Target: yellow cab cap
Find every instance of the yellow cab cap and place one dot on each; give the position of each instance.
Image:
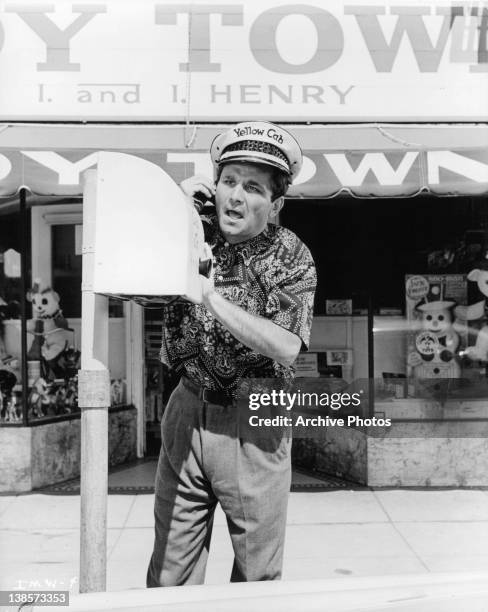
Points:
(259, 142)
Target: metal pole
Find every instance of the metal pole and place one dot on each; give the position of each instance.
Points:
(94, 400)
(370, 356)
(23, 309)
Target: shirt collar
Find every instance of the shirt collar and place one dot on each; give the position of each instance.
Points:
(257, 243)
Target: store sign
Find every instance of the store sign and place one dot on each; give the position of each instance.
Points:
(306, 365)
(324, 174)
(149, 60)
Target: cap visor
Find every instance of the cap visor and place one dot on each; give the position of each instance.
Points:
(254, 157)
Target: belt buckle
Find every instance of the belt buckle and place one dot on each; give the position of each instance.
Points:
(211, 396)
(204, 395)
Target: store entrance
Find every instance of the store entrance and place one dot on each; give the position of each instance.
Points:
(159, 381)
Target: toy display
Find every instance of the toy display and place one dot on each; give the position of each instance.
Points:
(39, 402)
(52, 398)
(436, 344)
(54, 382)
(436, 337)
(49, 327)
(69, 362)
(9, 408)
(52, 367)
(9, 375)
(117, 391)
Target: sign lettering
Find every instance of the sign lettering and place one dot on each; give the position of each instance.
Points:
(365, 173)
(204, 61)
(57, 41)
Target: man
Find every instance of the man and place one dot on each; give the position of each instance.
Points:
(254, 318)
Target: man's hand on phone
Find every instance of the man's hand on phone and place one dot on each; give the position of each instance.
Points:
(198, 184)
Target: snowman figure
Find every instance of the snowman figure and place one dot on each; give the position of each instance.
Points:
(437, 341)
(49, 328)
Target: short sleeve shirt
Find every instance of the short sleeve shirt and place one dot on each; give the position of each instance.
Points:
(271, 275)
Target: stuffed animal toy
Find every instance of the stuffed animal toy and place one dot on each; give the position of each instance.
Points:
(8, 379)
(117, 387)
(60, 400)
(43, 399)
(475, 314)
(49, 327)
(38, 398)
(71, 399)
(436, 343)
(70, 362)
(13, 409)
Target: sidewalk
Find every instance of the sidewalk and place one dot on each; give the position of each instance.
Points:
(330, 534)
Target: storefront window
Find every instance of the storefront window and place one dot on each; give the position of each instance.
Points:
(420, 263)
(431, 346)
(10, 307)
(54, 355)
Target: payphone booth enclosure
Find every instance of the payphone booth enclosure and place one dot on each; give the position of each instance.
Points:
(147, 236)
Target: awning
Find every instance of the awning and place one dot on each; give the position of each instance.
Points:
(362, 160)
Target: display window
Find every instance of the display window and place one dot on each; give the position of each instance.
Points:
(39, 383)
(415, 269)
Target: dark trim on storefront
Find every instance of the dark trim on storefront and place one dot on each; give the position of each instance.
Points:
(23, 305)
(371, 398)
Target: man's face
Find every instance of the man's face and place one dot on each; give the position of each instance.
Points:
(243, 200)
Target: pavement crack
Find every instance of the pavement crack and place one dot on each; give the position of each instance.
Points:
(402, 537)
(121, 529)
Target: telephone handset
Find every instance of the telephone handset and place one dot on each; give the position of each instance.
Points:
(200, 200)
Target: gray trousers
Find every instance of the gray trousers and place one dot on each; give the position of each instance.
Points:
(203, 461)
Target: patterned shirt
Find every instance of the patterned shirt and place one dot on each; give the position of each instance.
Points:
(271, 275)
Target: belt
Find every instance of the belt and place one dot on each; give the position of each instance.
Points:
(210, 396)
